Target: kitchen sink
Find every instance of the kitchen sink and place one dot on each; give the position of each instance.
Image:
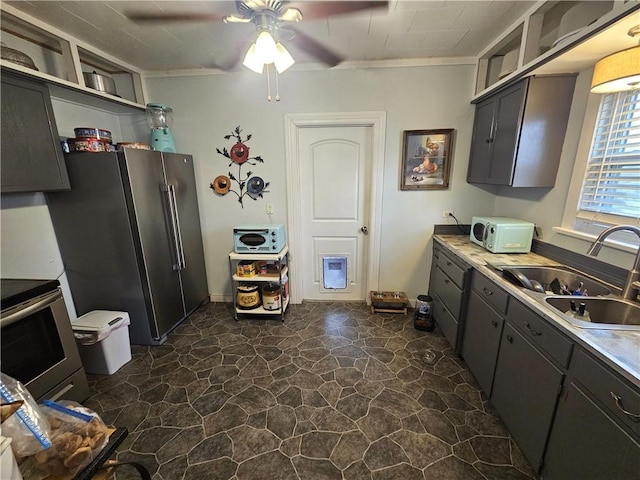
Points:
(555, 279)
(604, 313)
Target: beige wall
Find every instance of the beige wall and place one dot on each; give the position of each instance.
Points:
(209, 107)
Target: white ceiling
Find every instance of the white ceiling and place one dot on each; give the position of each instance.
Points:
(404, 30)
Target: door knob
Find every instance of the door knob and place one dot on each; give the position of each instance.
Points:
(364, 230)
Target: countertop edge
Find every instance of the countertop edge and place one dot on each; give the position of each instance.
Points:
(593, 340)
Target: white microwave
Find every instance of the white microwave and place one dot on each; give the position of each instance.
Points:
(502, 234)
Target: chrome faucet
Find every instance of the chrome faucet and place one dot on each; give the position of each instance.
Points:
(632, 284)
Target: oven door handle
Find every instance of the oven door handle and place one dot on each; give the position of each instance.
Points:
(25, 312)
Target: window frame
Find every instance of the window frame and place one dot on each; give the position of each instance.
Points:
(584, 225)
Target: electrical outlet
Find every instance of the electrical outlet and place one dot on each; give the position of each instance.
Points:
(447, 213)
(269, 208)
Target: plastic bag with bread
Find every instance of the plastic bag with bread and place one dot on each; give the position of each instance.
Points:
(77, 436)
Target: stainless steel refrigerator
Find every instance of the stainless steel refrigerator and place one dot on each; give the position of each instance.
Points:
(130, 238)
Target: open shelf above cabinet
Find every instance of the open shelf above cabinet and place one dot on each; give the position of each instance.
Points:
(60, 61)
(555, 37)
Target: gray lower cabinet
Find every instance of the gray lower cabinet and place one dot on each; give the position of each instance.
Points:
(32, 159)
(448, 287)
(525, 393)
(592, 436)
(483, 329)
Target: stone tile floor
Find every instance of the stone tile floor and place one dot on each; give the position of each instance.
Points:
(334, 392)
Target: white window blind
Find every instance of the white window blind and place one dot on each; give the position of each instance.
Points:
(611, 185)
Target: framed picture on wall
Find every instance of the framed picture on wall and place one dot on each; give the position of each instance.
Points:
(426, 159)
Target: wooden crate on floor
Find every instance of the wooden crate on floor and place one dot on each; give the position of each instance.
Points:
(388, 302)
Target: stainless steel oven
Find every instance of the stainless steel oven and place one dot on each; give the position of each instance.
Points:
(38, 346)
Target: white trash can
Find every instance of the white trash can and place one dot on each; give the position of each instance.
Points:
(8, 466)
(103, 340)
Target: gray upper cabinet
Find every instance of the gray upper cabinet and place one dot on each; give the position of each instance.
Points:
(519, 131)
(32, 159)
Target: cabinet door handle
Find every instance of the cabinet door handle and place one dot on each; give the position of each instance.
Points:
(487, 291)
(509, 339)
(618, 399)
(494, 323)
(532, 330)
(488, 140)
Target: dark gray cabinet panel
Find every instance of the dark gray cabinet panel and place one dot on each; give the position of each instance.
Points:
(586, 442)
(525, 393)
(618, 397)
(519, 131)
(32, 159)
(482, 331)
(540, 332)
(449, 292)
(448, 287)
(507, 122)
(481, 146)
(448, 323)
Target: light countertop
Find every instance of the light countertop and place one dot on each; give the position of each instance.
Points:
(620, 349)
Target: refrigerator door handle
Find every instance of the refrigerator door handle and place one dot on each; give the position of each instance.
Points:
(182, 264)
(174, 227)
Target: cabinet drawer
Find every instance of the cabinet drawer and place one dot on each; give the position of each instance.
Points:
(490, 292)
(454, 271)
(540, 332)
(603, 384)
(447, 323)
(448, 292)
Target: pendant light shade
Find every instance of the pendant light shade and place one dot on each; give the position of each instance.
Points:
(266, 47)
(252, 61)
(617, 72)
(283, 58)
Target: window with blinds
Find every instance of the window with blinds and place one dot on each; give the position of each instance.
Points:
(611, 188)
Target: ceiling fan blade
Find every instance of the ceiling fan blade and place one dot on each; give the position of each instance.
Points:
(314, 48)
(145, 17)
(237, 50)
(316, 10)
(290, 15)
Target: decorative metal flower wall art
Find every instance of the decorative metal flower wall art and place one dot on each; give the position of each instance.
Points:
(239, 155)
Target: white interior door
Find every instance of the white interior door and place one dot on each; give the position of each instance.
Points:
(334, 201)
(334, 188)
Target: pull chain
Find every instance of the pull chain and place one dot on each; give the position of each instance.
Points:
(277, 86)
(268, 84)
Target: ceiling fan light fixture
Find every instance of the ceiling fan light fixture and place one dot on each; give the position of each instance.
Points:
(283, 58)
(252, 60)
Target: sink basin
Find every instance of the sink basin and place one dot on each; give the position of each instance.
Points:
(604, 313)
(566, 277)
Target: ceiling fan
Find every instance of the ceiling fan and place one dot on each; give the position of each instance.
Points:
(273, 21)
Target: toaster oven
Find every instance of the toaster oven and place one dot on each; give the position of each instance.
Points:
(266, 238)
